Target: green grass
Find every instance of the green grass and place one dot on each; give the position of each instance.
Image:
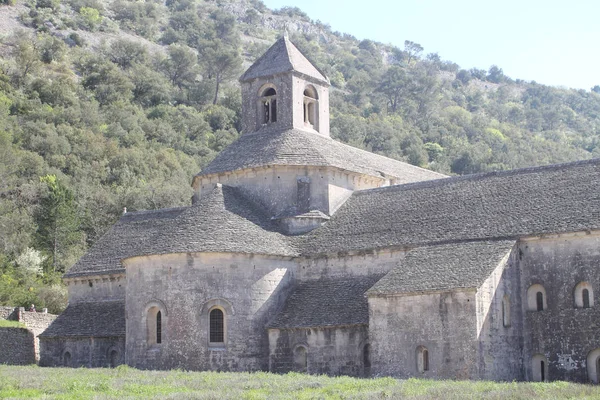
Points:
(127, 383)
(4, 323)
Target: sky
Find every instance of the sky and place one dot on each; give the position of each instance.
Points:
(554, 42)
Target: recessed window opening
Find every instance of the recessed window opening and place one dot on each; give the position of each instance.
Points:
(586, 298)
(301, 359)
(268, 106)
(114, 358)
(539, 300)
(422, 359)
(310, 106)
(217, 326)
(154, 325)
(367, 359)
(158, 327)
(536, 298)
(539, 364)
(506, 311)
(67, 359)
(584, 295)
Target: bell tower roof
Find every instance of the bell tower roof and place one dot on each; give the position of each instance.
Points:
(282, 57)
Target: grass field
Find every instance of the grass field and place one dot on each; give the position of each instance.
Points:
(128, 383)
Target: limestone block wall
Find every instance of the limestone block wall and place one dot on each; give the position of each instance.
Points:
(563, 333)
(75, 352)
(331, 351)
(252, 114)
(96, 288)
(375, 262)
(248, 289)
(36, 323)
(444, 323)
(17, 346)
(275, 188)
(500, 323)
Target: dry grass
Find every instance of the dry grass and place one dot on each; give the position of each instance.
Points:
(128, 383)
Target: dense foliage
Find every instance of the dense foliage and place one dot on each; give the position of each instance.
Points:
(112, 104)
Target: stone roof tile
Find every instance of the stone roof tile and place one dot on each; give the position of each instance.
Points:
(444, 267)
(222, 221)
(297, 147)
(326, 302)
(281, 57)
(98, 319)
(498, 205)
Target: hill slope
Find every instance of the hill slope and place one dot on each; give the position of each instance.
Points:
(112, 104)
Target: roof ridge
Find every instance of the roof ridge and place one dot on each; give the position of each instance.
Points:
(478, 176)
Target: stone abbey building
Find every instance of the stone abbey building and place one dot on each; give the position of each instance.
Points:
(300, 253)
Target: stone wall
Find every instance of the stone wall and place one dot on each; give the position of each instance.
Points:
(98, 288)
(444, 323)
(185, 287)
(331, 351)
(36, 323)
(82, 352)
(500, 323)
(17, 346)
(563, 333)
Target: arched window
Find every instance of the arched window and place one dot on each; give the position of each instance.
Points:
(67, 359)
(536, 298)
(422, 359)
(301, 359)
(583, 295)
(155, 323)
(217, 326)
(267, 106)
(593, 365)
(506, 311)
(367, 360)
(539, 368)
(311, 104)
(114, 358)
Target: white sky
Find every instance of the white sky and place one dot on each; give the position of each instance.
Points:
(552, 42)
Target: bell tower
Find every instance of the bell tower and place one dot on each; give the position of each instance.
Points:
(283, 90)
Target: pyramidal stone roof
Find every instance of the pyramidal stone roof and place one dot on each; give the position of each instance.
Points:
(222, 221)
(295, 147)
(282, 57)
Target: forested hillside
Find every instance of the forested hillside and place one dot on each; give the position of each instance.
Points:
(110, 104)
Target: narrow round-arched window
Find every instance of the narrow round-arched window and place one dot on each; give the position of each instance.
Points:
(155, 324)
(422, 359)
(583, 295)
(114, 358)
(536, 298)
(267, 106)
(217, 326)
(367, 359)
(67, 359)
(593, 365)
(301, 359)
(506, 311)
(539, 368)
(311, 107)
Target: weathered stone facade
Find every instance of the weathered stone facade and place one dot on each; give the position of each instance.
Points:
(20, 346)
(300, 253)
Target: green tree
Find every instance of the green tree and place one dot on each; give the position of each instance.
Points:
(412, 50)
(58, 234)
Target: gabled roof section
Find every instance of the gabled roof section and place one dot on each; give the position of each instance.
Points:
(300, 148)
(98, 319)
(326, 302)
(282, 57)
(222, 221)
(444, 267)
(553, 199)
